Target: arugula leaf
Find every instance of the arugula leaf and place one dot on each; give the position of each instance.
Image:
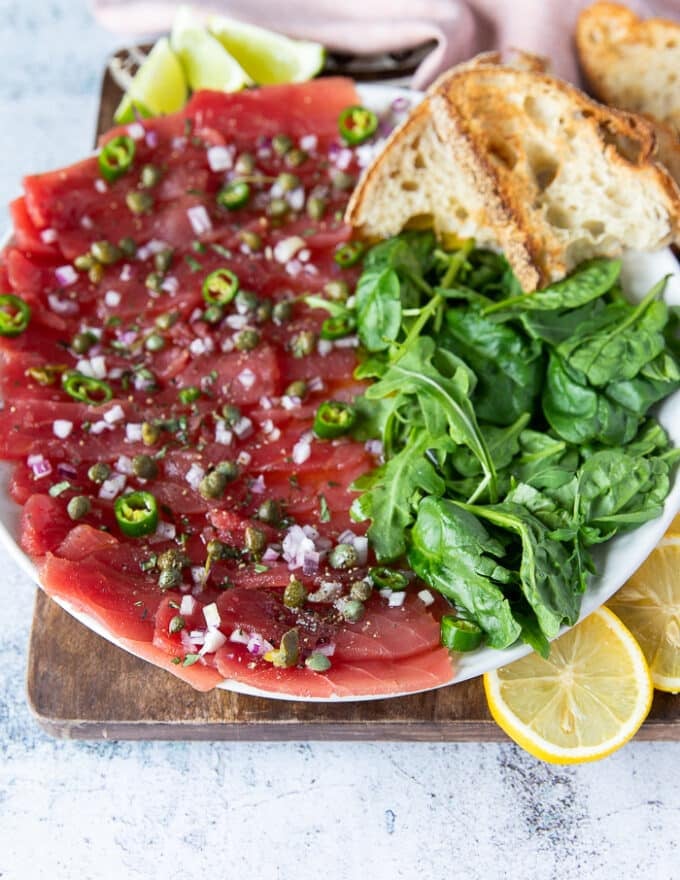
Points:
(589, 281)
(443, 398)
(390, 494)
(502, 443)
(455, 555)
(378, 304)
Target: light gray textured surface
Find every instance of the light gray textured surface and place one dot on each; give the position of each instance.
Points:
(336, 811)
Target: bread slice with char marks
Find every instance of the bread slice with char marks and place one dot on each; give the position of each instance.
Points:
(527, 163)
(634, 64)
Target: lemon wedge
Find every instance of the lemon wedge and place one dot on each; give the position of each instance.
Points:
(158, 86)
(649, 605)
(206, 63)
(269, 58)
(584, 702)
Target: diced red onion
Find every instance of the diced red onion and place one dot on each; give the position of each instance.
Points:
(136, 131)
(400, 104)
(112, 487)
(396, 600)
(302, 451)
(64, 469)
(133, 432)
(239, 636)
(328, 591)
(296, 198)
(86, 222)
(115, 414)
(290, 401)
(244, 426)
(327, 650)
(220, 158)
(311, 562)
(199, 575)
(285, 249)
(62, 428)
(258, 645)
(426, 597)
(194, 476)
(178, 143)
(214, 639)
(212, 615)
(324, 347)
(344, 159)
(199, 219)
(304, 255)
(316, 384)
(112, 298)
(39, 465)
(48, 236)
(374, 447)
(124, 465)
(275, 434)
(98, 363)
(99, 427)
(201, 346)
(236, 322)
(271, 554)
(165, 531)
(347, 342)
(308, 142)
(61, 306)
(361, 549)
(222, 434)
(170, 285)
(151, 139)
(298, 547)
(197, 636)
(258, 485)
(187, 606)
(244, 458)
(100, 185)
(293, 268)
(126, 272)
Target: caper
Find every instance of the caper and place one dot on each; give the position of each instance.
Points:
(297, 389)
(212, 485)
(295, 157)
(231, 414)
(83, 342)
(213, 314)
(287, 182)
(288, 652)
(150, 433)
(295, 595)
(84, 262)
(150, 176)
(216, 549)
(318, 662)
(277, 208)
(173, 558)
(228, 469)
(167, 320)
(342, 180)
(139, 202)
(270, 512)
(338, 291)
(99, 472)
(282, 311)
(169, 578)
(264, 311)
(247, 339)
(163, 259)
(145, 467)
(105, 252)
(342, 556)
(96, 273)
(154, 342)
(251, 239)
(255, 541)
(303, 343)
(128, 246)
(245, 164)
(78, 507)
(177, 624)
(352, 610)
(360, 590)
(281, 143)
(246, 301)
(316, 207)
(154, 281)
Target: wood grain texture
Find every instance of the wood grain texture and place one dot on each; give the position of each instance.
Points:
(82, 687)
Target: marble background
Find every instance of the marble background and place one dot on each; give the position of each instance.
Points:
(308, 810)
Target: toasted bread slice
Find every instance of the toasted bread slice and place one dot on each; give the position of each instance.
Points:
(634, 64)
(525, 162)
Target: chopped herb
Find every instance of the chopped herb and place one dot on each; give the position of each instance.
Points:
(190, 659)
(56, 490)
(193, 264)
(260, 568)
(324, 512)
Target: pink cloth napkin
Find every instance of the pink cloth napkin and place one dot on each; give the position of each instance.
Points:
(461, 28)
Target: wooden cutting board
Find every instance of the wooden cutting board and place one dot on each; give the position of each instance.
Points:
(80, 686)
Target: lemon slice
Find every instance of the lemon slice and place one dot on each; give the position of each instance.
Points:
(268, 57)
(206, 63)
(158, 86)
(584, 702)
(649, 605)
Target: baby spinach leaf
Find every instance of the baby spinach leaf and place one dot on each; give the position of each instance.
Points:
(509, 366)
(556, 325)
(390, 494)
(502, 443)
(620, 351)
(547, 572)
(588, 282)
(454, 554)
(656, 380)
(378, 304)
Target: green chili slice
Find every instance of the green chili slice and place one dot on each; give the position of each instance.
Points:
(357, 124)
(234, 195)
(459, 635)
(387, 578)
(86, 389)
(116, 157)
(136, 514)
(333, 419)
(220, 287)
(14, 315)
(337, 327)
(349, 254)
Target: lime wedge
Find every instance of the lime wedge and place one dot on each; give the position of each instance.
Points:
(206, 63)
(157, 87)
(269, 58)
